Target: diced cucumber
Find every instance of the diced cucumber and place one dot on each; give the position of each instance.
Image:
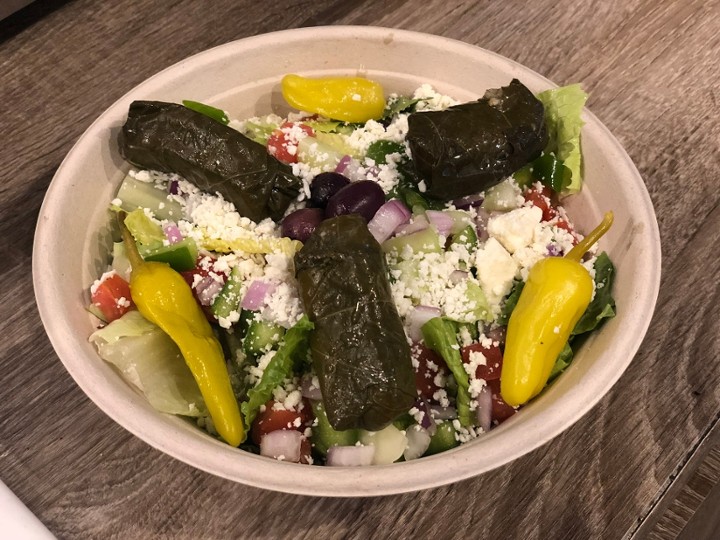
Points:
(318, 154)
(323, 434)
(181, 256)
(461, 220)
(524, 177)
(444, 439)
(466, 237)
(425, 241)
(482, 308)
(228, 300)
(136, 194)
(403, 421)
(338, 143)
(261, 337)
(502, 197)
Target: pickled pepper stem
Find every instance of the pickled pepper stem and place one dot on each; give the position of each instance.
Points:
(131, 249)
(581, 248)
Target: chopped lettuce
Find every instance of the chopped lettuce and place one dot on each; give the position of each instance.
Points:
(603, 305)
(145, 231)
(510, 303)
(148, 359)
(280, 367)
(563, 107)
(440, 336)
(398, 105)
(259, 129)
(563, 361)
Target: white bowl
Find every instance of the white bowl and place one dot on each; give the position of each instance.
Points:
(72, 244)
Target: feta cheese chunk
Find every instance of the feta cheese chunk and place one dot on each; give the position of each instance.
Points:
(515, 229)
(496, 270)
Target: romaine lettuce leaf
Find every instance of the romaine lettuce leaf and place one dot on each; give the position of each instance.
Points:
(439, 335)
(280, 367)
(562, 117)
(148, 359)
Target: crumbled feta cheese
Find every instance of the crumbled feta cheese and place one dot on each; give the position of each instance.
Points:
(496, 271)
(515, 229)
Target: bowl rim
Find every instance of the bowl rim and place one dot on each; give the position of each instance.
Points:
(458, 464)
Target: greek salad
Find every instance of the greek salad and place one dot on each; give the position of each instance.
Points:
(338, 286)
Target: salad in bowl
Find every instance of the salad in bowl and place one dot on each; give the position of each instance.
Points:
(341, 302)
(372, 278)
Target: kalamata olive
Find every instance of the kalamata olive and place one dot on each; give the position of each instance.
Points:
(300, 224)
(364, 198)
(324, 186)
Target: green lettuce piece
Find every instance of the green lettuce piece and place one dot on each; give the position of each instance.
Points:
(291, 351)
(399, 104)
(510, 303)
(562, 117)
(145, 231)
(148, 359)
(562, 362)
(440, 336)
(603, 305)
(261, 130)
(212, 112)
(323, 126)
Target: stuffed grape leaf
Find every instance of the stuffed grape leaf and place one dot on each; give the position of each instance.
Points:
(216, 158)
(359, 349)
(468, 148)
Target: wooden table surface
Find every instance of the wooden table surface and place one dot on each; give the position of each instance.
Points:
(652, 68)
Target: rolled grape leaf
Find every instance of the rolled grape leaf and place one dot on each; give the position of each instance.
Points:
(468, 148)
(358, 347)
(171, 138)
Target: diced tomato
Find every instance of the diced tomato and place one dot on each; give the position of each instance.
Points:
(430, 365)
(282, 143)
(112, 297)
(203, 267)
(501, 411)
(543, 200)
(273, 419)
(493, 356)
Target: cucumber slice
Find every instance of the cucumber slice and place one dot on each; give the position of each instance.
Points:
(425, 241)
(181, 256)
(228, 300)
(261, 337)
(136, 194)
(324, 436)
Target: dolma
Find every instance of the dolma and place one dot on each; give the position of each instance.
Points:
(359, 349)
(468, 148)
(168, 137)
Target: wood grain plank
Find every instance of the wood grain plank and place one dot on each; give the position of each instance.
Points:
(652, 70)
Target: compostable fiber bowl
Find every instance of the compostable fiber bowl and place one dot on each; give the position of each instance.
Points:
(73, 239)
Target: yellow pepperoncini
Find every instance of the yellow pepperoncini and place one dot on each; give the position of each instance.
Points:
(164, 298)
(350, 99)
(556, 294)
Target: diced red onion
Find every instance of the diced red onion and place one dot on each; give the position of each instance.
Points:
(443, 413)
(282, 444)
(417, 317)
(419, 223)
(173, 187)
(554, 251)
(372, 172)
(418, 440)
(427, 422)
(389, 217)
(257, 294)
(484, 408)
(343, 164)
(350, 456)
(207, 290)
(456, 276)
(497, 334)
(468, 201)
(172, 233)
(308, 389)
(443, 221)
